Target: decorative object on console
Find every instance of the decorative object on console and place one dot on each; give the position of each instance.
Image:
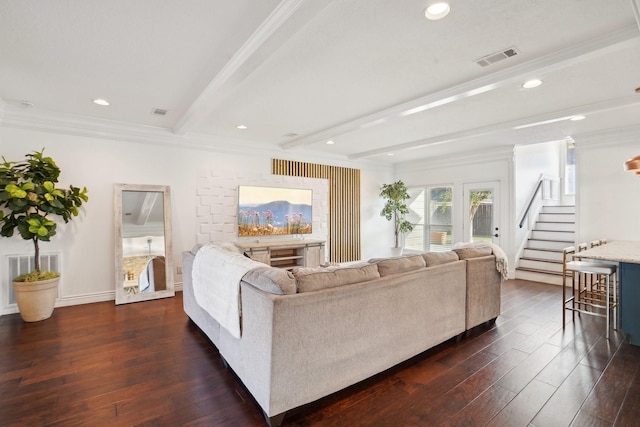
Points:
(274, 211)
(633, 165)
(28, 200)
(395, 208)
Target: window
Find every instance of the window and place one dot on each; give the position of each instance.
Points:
(570, 170)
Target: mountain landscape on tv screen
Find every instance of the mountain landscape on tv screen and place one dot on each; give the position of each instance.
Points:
(277, 217)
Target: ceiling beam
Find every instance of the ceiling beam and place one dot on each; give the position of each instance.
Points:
(205, 103)
(554, 61)
(150, 199)
(591, 109)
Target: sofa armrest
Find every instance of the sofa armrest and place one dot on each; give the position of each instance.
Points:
(484, 284)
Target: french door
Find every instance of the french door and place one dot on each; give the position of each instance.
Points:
(481, 214)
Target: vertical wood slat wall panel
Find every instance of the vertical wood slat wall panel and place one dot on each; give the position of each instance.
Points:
(344, 204)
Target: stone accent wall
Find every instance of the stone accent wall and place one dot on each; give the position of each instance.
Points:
(217, 205)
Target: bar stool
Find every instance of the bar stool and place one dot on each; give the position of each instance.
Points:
(594, 287)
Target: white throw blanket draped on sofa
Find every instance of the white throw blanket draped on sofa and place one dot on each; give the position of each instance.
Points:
(216, 284)
(502, 265)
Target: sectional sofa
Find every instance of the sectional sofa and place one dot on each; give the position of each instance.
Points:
(308, 333)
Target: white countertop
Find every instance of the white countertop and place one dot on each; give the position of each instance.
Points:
(617, 250)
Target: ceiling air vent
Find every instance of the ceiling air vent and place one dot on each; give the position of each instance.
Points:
(159, 112)
(496, 57)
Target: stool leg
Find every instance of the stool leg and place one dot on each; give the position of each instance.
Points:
(564, 299)
(607, 305)
(616, 319)
(573, 292)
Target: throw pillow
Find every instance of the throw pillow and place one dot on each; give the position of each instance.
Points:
(274, 280)
(473, 252)
(437, 258)
(387, 266)
(313, 279)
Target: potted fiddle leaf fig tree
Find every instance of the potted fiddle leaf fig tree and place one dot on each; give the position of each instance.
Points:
(29, 200)
(395, 208)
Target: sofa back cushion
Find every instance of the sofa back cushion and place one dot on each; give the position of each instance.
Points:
(313, 279)
(270, 279)
(437, 258)
(465, 253)
(387, 266)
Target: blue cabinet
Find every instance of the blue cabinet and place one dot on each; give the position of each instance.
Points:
(630, 301)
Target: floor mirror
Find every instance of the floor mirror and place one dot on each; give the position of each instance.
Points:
(143, 251)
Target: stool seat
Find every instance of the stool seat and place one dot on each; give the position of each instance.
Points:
(591, 267)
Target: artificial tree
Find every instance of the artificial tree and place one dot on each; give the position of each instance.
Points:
(395, 207)
(28, 201)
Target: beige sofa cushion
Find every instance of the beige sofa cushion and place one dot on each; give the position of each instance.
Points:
(387, 266)
(437, 258)
(274, 280)
(313, 279)
(473, 252)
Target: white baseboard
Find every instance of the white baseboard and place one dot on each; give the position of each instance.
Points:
(78, 300)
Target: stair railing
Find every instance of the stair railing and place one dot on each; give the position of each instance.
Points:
(545, 183)
(535, 193)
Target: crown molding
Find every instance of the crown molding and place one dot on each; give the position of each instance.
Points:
(66, 124)
(554, 61)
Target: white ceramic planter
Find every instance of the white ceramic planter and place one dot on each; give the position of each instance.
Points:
(396, 252)
(36, 300)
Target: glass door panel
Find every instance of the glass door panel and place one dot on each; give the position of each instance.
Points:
(440, 224)
(481, 219)
(431, 213)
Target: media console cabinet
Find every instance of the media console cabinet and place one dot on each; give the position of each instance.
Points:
(286, 253)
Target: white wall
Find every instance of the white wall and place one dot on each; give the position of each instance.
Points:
(608, 197)
(86, 243)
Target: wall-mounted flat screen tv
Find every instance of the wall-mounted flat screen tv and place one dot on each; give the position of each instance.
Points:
(274, 211)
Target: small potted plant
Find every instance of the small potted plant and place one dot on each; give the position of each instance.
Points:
(28, 201)
(395, 209)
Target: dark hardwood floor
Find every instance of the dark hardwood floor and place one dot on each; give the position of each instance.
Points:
(146, 364)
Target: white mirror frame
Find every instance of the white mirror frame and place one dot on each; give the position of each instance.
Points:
(123, 297)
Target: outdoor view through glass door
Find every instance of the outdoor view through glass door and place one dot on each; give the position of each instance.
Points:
(481, 220)
(430, 212)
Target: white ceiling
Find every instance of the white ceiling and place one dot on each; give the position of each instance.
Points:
(374, 76)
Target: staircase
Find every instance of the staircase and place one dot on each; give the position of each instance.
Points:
(541, 259)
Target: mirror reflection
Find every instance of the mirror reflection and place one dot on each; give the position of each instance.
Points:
(143, 231)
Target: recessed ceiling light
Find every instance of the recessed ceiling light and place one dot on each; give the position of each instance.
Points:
(102, 102)
(530, 84)
(330, 142)
(437, 11)
(577, 118)
(390, 154)
(241, 127)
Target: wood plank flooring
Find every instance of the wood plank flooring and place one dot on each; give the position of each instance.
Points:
(146, 364)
